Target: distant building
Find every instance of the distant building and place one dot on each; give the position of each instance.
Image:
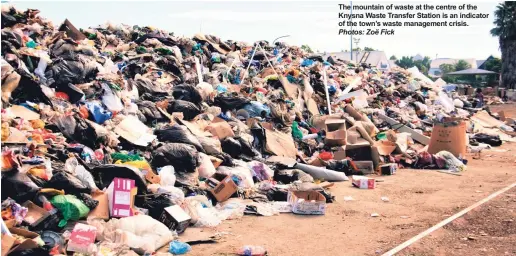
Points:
(435, 70)
(417, 57)
(377, 59)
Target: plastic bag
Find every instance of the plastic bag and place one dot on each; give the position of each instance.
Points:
(452, 163)
(206, 217)
(67, 182)
(177, 248)
(71, 208)
(205, 90)
(260, 170)
(98, 113)
(110, 100)
(189, 109)
(155, 203)
(141, 232)
(149, 111)
(231, 209)
(210, 145)
(73, 167)
(255, 108)
(241, 172)
(187, 93)
(178, 134)
(230, 102)
(105, 174)
(206, 169)
(167, 176)
(182, 156)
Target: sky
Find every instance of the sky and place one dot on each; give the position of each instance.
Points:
(313, 23)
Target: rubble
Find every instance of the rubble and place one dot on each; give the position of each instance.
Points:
(141, 134)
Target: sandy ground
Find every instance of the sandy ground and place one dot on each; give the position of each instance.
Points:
(418, 200)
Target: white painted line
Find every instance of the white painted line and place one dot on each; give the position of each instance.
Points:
(446, 221)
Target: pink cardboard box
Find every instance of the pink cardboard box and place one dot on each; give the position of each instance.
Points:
(363, 182)
(121, 193)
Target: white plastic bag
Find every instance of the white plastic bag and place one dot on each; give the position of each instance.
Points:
(167, 176)
(206, 169)
(73, 167)
(241, 171)
(112, 102)
(207, 217)
(176, 195)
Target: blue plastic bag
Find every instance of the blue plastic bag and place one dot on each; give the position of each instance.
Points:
(177, 248)
(255, 108)
(99, 114)
(307, 62)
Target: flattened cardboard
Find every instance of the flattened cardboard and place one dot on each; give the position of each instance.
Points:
(35, 214)
(102, 209)
(72, 31)
(385, 147)
(222, 186)
(451, 138)
(307, 202)
(280, 144)
(290, 89)
(28, 243)
(486, 120)
(415, 135)
(336, 134)
(175, 218)
(220, 130)
(23, 112)
(7, 243)
(134, 131)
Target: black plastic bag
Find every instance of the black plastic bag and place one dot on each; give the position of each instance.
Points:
(182, 156)
(105, 174)
(492, 140)
(230, 102)
(149, 111)
(231, 146)
(88, 200)
(154, 203)
(144, 85)
(247, 148)
(179, 134)
(18, 186)
(67, 182)
(72, 71)
(77, 129)
(187, 92)
(189, 110)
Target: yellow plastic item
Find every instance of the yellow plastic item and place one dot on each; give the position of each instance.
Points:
(39, 172)
(140, 164)
(52, 191)
(37, 124)
(5, 131)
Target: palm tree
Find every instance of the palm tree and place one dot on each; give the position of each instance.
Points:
(505, 29)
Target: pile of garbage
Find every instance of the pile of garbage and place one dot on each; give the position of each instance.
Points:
(117, 139)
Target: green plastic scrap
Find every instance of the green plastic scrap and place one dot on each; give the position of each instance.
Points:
(125, 157)
(71, 208)
(296, 132)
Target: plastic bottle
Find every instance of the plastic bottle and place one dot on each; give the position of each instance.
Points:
(251, 250)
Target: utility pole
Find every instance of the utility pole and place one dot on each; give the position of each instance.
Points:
(357, 40)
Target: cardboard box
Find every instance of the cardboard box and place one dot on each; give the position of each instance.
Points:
(28, 243)
(222, 186)
(388, 169)
(280, 144)
(366, 167)
(35, 214)
(307, 202)
(175, 218)
(102, 209)
(82, 238)
(336, 134)
(121, 193)
(363, 182)
(220, 129)
(451, 138)
(7, 243)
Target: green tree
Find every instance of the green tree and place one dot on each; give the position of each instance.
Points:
(447, 68)
(393, 58)
(505, 30)
(369, 49)
(462, 65)
(358, 49)
(493, 64)
(307, 48)
(405, 62)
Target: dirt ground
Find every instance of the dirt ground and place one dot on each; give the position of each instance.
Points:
(418, 199)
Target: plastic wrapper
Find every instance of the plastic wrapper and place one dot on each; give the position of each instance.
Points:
(241, 172)
(260, 170)
(229, 102)
(73, 167)
(178, 248)
(167, 176)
